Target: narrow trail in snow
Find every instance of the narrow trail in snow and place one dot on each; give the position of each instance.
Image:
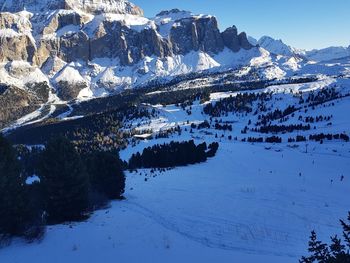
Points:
(218, 241)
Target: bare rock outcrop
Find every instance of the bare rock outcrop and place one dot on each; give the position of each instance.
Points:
(193, 34)
(16, 42)
(15, 103)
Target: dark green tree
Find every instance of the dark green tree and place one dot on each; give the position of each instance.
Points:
(65, 181)
(336, 252)
(13, 211)
(346, 231)
(106, 174)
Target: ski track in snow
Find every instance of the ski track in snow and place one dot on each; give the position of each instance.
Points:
(217, 228)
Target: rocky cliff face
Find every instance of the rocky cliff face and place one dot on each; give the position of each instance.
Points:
(196, 33)
(16, 102)
(84, 34)
(89, 29)
(16, 42)
(235, 41)
(87, 6)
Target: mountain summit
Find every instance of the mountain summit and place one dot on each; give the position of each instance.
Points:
(54, 51)
(88, 6)
(274, 46)
(62, 50)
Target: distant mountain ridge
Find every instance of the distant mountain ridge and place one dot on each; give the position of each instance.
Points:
(275, 46)
(88, 6)
(55, 52)
(329, 53)
(278, 47)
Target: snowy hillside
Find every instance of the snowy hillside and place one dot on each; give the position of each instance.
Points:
(247, 141)
(276, 47)
(327, 54)
(253, 202)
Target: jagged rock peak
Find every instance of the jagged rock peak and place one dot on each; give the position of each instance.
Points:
(277, 47)
(88, 6)
(105, 6)
(235, 41)
(172, 11)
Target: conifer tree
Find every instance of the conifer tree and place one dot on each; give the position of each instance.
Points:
(346, 231)
(106, 174)
(336, 252)
(336, 247)
(319, 251)
(12, 192)
(65, 181)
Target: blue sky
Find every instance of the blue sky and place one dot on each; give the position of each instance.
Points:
(301, 23)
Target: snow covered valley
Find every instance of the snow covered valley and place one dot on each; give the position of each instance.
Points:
(252, 202)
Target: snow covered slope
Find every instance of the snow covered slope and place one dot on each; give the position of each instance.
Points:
(89, 6)
(253, 202)
(276, 47)
(252, 40)
(328, 54)
(225, 210)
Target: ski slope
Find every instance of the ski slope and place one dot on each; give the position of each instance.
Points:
(250, 203)
(247, 204)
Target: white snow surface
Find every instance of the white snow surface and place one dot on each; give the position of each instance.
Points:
(32, 179)
(327, 54)
(252, 40)
(88, 6)
(70, 75)
(166, 20)
(250, 203)
(275, 46)
(272, 60)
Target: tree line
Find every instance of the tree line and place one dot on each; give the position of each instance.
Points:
(272, 139)
(69, 186)
(242, 102)
(172, 154)
(321, 96)
(320, 118)
(282, 128)
(277, 114)
(321, 137)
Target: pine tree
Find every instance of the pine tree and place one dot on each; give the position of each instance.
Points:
(65, 181)
(12, 200)
(346, 232)
(12, 192)
(106, 174)
(336, 252)
(319, 251)
(21, 213)
(337, 249)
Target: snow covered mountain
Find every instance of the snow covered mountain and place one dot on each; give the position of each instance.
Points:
(252, 40)
(83, 49)
(253, 202)
(53, 52)
(276, 47)
(327, 54)
(87, 6)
